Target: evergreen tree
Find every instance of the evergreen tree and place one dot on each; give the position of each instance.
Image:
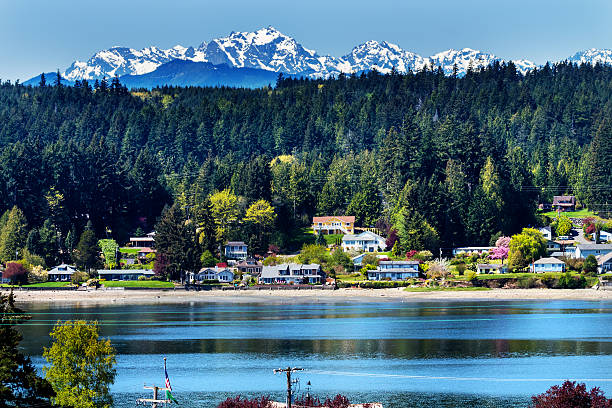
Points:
(175, 239)
(86, 253)
(13, 236)
(43, 81)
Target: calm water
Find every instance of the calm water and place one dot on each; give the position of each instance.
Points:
(451, 354)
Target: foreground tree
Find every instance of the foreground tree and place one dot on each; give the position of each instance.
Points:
(20, 386)
(526, 247)
(81, 365)
(571, 395)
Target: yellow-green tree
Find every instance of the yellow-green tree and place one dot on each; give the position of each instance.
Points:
(526, 247)
(563, 225)
(224, 208)
(81, 365)
(13, 235)
(260, 216)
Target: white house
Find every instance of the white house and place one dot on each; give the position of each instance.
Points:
(223, 275)
(291, 274)
(395, 270)
(236, 250)
(61, 273)
(584, 250)
(147, 241)
(491, 268)
(472, 250)
(605, 236)
(604, 263)
(548, 265)
(547, 232)
(365, 242)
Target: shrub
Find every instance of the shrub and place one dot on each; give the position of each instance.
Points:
(567, 281)
(438, 270)
(470, 276)
(571, 395)
(460, 268)
(238, 402)
(589, 265)
(16, 272)
(37, 274)
(527, 283)
(142, 278)
(79, 277)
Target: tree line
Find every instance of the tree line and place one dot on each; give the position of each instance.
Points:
(434, 160)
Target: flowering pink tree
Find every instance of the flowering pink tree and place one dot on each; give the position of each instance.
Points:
(502, 246)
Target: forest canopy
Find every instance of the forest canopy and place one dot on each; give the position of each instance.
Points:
(463, 159)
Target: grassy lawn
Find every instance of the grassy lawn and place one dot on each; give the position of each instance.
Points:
(332, 238)
(41, 285)
(304, 236)
(137, 284)
(584, 213)
(132, 251)
(439, 289)
(349, 278)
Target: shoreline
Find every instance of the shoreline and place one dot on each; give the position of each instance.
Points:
(110, 297)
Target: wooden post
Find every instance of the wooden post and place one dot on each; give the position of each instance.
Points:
(288, 371)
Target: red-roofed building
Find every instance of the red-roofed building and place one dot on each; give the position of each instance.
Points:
(337, 224)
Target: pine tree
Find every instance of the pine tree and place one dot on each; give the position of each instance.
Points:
(58, 79)
(175, 239)
(43, 81)
(86, 253)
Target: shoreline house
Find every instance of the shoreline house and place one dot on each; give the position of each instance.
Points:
(293, 274)
(584, 250)
(124, 274)
(358, 260)
(395, 270)
(491, 268)
(223, 275)
(364, 242)
(605, 236)
(472, 250)
(604, 263)
(61, 273)
(543, 265)
(337, 224)
(250, 266)
(236, 250)
(564, 203)
(148, 241)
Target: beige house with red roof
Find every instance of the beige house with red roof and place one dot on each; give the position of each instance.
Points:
(336, 224)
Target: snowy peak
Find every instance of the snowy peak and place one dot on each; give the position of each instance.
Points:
(592, 56)
(271, 50)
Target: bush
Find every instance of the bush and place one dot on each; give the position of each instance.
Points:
(238, 402)
(143, 278)
(567, 281)
(37, 275)
(16, 273)
(78, 277)
(527, 283)
(571, 395)
(470, 276)
(589, 265)
(460, 268)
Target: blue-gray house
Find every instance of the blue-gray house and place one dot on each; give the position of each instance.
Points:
(395, 270)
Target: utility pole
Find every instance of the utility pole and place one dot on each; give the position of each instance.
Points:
(288, 371)
(155, 401)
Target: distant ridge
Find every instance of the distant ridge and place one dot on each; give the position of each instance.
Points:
(270, 50)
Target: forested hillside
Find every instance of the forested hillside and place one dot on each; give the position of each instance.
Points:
(446, 160)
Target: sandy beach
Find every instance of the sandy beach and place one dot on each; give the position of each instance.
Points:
(304, 296)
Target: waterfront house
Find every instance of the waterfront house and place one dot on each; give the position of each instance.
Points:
(61, 273)
(547, 232)
(395, 270)
(337, 224)
(364, 242)
(584, 250)
(548, 265)
(250, 266)
(358, 260)
(124, 274)
(236, 250)
(291, 274)
(148, 241)
(604, 263)
(224, 275)
(143, 252)
(491, 268)
(553, 246)
(605, 236)
(472, 250)
(564, 203)
(3, 279)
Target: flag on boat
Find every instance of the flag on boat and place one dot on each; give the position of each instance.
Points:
(168, 386)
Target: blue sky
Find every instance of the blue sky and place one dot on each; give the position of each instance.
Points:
(43, 35)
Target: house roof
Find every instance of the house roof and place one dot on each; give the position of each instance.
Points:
(362, 235)
(235, 243)
(398, 262)
(564, 200)
(595, 246)
(149, 250)
(548, 261)
(602, 259)
(69, 269)
(125, 271)
(492, 266)
(343, 218)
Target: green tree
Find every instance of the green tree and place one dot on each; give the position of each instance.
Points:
(590, 265)
(260, 216)
(207, 259)
(109, 249)
(224, 211)
(175, 240)
(365, 206)
(81, 365)
(20, 385)
(13, 236)
(414, 232)
(86, 253)
(563, 225)
(526, 247)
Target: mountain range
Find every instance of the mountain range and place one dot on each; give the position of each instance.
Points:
(236, 59)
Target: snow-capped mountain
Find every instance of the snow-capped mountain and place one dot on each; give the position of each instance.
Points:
(270, 50)
(592, 56)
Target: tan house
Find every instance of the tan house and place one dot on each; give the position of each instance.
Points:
(337, 224)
